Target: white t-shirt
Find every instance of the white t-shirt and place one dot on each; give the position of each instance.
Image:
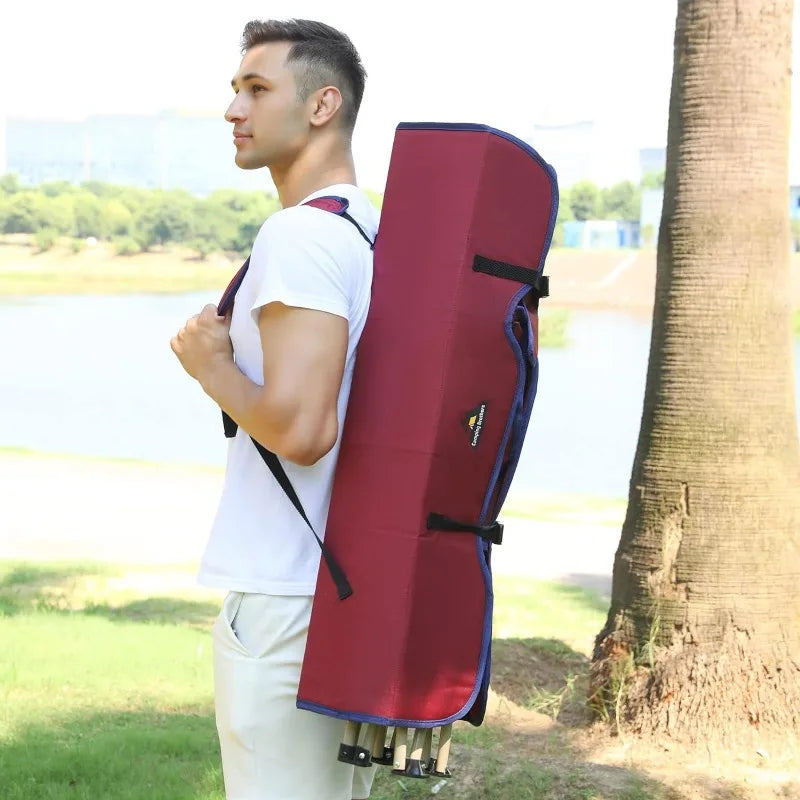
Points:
(308, 258)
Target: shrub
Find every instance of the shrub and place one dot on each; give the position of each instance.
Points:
(203, 247)
(127, 246)
(45, 238)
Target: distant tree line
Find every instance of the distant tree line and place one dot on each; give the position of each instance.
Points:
(134, 219)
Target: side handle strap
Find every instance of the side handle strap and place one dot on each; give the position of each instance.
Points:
(512, 272)
(491, 533)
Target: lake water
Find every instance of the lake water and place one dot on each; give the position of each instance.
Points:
(96, 376)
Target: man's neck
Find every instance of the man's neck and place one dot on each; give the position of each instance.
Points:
(311, 173)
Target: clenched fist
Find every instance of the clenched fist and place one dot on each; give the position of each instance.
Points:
(202, 341)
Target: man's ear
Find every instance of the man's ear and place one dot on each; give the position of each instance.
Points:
(327, 102)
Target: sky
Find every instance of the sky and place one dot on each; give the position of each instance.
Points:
(507, 63)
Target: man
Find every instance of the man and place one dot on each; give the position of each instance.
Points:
(295, 325)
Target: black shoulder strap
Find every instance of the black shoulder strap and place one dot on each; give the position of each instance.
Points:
(343, 587)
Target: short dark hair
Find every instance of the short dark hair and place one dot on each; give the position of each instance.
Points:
(321, 55)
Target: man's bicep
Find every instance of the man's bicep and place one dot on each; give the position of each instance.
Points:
(304, 354)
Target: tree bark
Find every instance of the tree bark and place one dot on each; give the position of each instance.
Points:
(702, 641)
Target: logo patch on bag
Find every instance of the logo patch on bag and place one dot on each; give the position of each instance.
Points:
(473, 423)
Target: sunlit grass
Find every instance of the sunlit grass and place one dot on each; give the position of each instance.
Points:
(553, 327)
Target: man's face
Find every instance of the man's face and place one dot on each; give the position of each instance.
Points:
(270, 125)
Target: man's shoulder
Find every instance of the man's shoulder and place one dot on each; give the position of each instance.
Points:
(311, 230)
(298, 222)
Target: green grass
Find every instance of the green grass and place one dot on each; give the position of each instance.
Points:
(107, 692)
(570, 615)
(553, 325)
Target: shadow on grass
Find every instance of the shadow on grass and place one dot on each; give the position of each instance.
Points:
(151, 755)
(552, 761)
(583, 591)
(27, 587)
(496, 763)
(166, 610)
(26, 574)
(600, 585)
(119, 755)
(543, 675)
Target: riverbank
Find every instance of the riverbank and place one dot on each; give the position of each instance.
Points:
(99, 270)
(621, 280)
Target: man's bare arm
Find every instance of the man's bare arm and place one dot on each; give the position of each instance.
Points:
(294, 414)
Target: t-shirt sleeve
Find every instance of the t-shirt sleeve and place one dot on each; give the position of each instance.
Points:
(301, 257)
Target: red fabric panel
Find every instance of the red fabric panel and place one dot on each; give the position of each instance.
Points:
(408, 644)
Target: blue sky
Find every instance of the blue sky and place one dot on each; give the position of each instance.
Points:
(505, 63)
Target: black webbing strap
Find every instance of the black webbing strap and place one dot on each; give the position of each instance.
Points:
(512, 272)
(364, 236)
(491, 533)
(229, 426)
(343, 587)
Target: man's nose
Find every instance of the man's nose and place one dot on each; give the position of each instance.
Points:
(235, 111)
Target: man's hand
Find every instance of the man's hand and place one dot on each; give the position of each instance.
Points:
(294, 413)
(203, 342)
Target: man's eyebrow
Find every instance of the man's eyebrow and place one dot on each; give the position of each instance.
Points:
(248, 77)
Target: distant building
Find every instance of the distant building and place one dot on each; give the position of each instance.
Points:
(3, 167)
(601, 234)
(159, 151)
(650, 215)
(794, 202)
(652, 159)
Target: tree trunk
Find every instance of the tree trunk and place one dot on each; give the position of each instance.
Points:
(702, 641)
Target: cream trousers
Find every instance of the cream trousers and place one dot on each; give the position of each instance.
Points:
(271, 750)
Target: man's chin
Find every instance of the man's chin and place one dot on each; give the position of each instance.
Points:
(243, 162)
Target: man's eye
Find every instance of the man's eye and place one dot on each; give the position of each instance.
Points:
(257, 89)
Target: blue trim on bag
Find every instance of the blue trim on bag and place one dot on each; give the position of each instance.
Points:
(523, 418)
(352, 716)
(515, 403)
(484, 548)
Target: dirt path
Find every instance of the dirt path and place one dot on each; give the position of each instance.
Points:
(70, 508)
